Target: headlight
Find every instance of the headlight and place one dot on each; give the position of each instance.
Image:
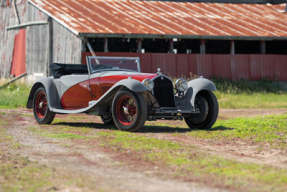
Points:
(181, 85)
(148, 83)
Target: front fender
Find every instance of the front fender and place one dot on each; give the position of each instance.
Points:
(194, 86)
(51, 91)
(131, 84)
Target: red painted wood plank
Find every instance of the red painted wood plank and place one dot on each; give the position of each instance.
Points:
(18, 66)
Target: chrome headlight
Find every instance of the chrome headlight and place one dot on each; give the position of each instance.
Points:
(181, 85)
(148, 83)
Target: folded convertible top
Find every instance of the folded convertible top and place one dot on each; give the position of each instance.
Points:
(60, 69)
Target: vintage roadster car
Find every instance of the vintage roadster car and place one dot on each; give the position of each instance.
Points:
(115, 89)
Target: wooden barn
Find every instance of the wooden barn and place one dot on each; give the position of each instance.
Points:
(228, 38)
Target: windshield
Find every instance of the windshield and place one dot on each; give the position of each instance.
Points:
(114, 63)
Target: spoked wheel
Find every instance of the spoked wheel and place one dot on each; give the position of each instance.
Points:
(108, 119)
(129, 110)
(207, 104)
(41, 110)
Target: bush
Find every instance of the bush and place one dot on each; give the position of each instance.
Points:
(247, 86)
(14, 96)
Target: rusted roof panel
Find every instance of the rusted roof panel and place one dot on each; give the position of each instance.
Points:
(279, 7)
(179, 19)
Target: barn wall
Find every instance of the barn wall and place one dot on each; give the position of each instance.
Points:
(36, 42)
(67, 47)
(7, 18)
(233, 67)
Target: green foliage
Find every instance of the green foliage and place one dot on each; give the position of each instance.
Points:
(245, 86)
(244, 93)
(14, 96)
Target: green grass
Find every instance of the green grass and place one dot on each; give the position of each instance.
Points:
(268, 129)
(20, 174)
(3, 122)
(251, 101)
(262, 94)
(186, 161)
(64, 133)
(14, 96)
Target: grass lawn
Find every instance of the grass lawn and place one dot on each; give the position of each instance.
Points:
(14, 96)
(184, 160)
(251, 101)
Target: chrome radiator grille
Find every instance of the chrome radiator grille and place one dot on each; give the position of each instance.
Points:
(163, 91)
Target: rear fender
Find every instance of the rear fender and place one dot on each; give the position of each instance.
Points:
(194, 86)
(105, 100)
(51, 91)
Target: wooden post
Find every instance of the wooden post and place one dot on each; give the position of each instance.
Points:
(202, 46)
(50, 46)
(232, 47)
(16, 12)
(139, 45)
(106, 45)
(171, 46)
(262, 47)
(84, 49)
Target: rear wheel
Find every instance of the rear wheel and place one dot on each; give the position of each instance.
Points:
(207, 103)
(41, 110)
(108, 119)
(129, 110)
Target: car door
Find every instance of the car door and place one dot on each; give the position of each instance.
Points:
(75, 91)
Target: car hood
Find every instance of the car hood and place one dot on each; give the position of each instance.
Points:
(119, 75)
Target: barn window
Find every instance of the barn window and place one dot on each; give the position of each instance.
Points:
(155, 45)
(217, 46)
(97, 44)
(247, 47)
(276, 47)
(122, 45)
(187, 46)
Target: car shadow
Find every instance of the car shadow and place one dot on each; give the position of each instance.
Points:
(87, 125)
(167, 129)
(145, 129)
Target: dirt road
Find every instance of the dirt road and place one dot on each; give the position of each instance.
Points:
(80, 167)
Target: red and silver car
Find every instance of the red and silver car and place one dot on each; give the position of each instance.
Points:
(115, 89)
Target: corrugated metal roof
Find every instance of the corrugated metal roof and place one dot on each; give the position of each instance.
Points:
(166, 19)
(279, 7)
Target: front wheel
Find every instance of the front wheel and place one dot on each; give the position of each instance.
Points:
(207, 104)
(41, 110)
(129, 110)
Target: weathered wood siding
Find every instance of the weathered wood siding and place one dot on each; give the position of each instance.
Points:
(66, 46)
(36, 42)
(7, 18)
